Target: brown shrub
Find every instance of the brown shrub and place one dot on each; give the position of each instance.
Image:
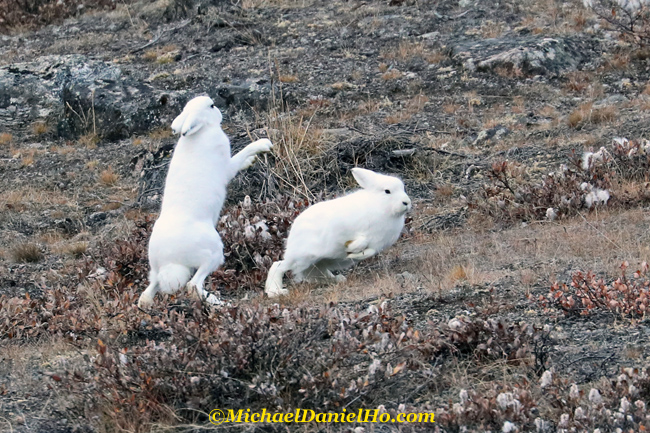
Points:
(36, 13)
(513, 195)
(626, 296)
(26, 253)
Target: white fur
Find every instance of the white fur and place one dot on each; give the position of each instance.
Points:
(184, 239)
(333, 235)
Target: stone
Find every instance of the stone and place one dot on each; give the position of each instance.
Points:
(81, 96)
(529, 55)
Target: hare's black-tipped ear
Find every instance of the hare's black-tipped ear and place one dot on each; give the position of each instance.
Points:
(364, 177)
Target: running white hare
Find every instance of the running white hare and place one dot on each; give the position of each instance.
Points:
(333, 235)
(184, 238)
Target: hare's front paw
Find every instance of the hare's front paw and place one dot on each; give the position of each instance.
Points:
(340, 278)
(248, 162)
(145, 301)
(263, 145)
(368, 252)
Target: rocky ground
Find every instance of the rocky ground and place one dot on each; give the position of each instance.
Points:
(434, 91)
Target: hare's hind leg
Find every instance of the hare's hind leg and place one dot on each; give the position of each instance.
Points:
(146, 298)
(273, 286)
(195, 285)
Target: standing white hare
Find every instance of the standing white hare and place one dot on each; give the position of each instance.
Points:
(184, 238)
(333, 235)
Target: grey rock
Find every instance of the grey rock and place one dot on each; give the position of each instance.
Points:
(491, 134)
(430, 35)
(531, 55)
(97, 218)
(337, 132)
(80, 95)
(252, 92)
(611, 100)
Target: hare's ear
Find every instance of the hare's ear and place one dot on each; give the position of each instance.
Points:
(365, 178)
(188, 123)
(177, 124)
(193, 123)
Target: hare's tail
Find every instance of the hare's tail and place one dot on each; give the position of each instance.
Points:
(169, 279)
(172, 277)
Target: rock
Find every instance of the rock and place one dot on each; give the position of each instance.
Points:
(431, 35)
(337, 132)
(611, 100)
(493, 133)
(528, 55)
(80, 96)
(97, 218)
(252, 92)
(406, 277)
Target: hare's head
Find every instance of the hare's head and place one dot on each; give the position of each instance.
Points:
(198, 112)
(389, 190)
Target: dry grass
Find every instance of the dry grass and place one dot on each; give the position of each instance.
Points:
(28, 159)
(403, 51)
(451, 108)
(298, 150)
(411, 107)
(89, 140)
(160, 133)
(40, 128)
(257, 4)
(446, 190)
(162, 55)
(391, 74)
(289, 78)
(75, 249)
(618, 61)
(587, 114)
(26, 252)
(30, 197)
(343, 85)
(492, 29)
(578, 81)
(435, 57)
(601, 241)
(5, 139)
(108, 177)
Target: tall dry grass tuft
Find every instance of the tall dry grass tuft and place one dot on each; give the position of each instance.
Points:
(300, 161)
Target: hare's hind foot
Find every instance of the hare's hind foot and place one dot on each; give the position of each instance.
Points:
(368, 252)
(273, 286)
(275, 292)
(146, 298)
(203, 295)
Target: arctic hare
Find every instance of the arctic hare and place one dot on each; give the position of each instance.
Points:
(333, 235)
(184, 239)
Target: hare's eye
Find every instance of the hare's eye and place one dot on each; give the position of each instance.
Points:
(212, 106)
(387, 191)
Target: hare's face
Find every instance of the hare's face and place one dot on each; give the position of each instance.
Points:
(198, 112)
(389, 189)
(393, 191)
